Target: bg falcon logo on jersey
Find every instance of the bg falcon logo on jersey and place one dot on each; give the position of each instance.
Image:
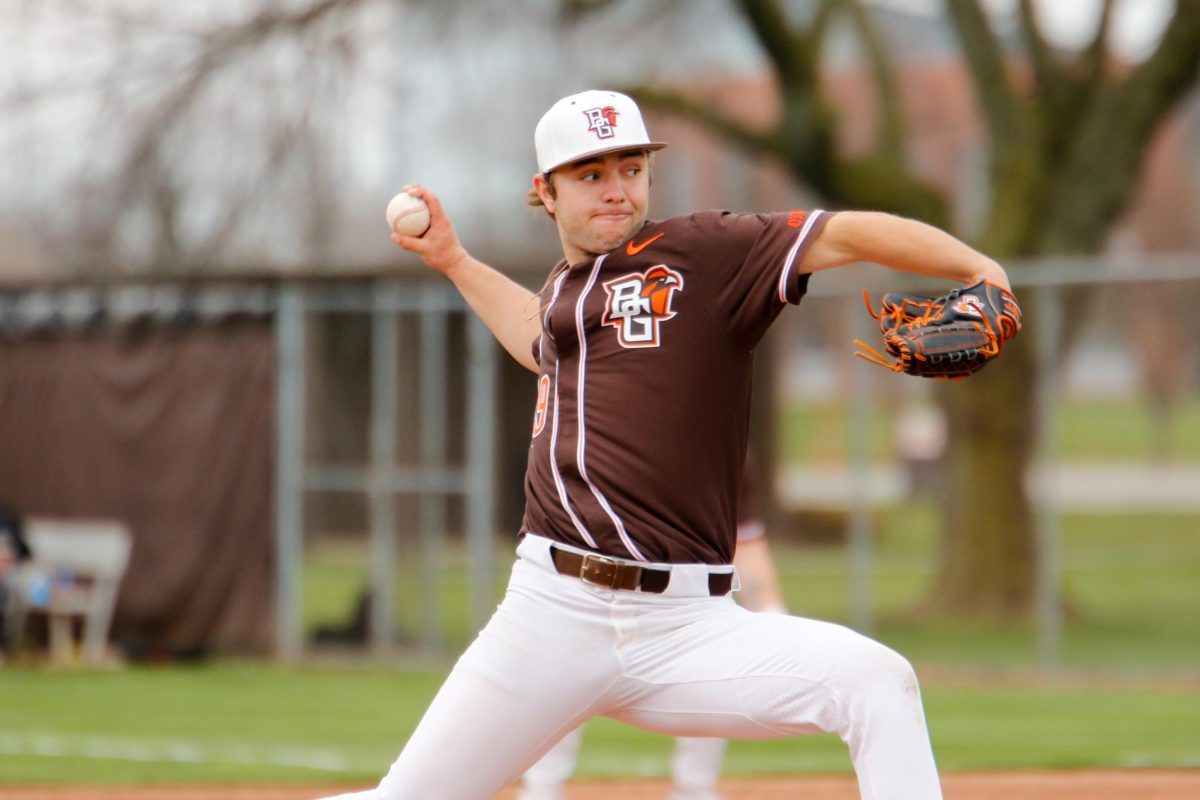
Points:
(639, 303)
(601, 121)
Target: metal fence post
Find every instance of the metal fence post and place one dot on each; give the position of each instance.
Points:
(289, 470)
(481, 452)
(1048, 577)
(433, 427)
(381, 499)
(861, 546)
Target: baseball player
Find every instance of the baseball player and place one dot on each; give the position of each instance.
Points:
(619, 600)
(696, 763)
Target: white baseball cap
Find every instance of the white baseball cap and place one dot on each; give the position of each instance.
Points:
(588, 124)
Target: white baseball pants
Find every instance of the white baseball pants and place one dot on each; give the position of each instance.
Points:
(559, 651)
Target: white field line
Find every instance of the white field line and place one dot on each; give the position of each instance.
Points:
(51, 745)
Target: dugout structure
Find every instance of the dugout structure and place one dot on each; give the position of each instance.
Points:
(181, 409)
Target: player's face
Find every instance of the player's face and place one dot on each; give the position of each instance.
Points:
(600, 203)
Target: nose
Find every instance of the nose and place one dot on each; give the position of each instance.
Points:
(614, 191)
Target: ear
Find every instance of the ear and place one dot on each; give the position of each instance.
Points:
(544, 191)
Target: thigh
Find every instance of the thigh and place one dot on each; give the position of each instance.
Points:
(737, 674)
(475, 738)
(533, 674)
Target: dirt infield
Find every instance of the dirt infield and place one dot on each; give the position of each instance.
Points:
(1080, 785)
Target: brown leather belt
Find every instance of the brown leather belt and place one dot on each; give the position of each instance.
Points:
(609, 573)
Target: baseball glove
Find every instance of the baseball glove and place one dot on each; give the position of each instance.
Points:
(950, 336)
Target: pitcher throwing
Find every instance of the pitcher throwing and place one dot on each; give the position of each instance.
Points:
(619, 602)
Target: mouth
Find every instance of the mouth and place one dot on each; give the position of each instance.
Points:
(614, 215)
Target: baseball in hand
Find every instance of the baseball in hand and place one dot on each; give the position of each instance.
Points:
(408, 215)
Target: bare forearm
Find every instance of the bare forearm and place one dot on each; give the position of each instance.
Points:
(901, 244)
(507, 308)
(760, 582)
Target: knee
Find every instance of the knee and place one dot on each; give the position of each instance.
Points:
(880, 671)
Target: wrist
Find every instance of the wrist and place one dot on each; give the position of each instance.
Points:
(992, 273)
(457, 265)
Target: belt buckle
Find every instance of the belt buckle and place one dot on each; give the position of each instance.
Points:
(599, 571)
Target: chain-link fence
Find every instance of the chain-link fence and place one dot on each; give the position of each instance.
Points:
(1115, 480)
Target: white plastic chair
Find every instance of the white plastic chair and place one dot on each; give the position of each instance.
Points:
(94, 554)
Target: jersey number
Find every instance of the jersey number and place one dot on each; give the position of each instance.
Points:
(539, 412)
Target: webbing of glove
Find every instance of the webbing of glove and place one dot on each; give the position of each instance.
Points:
(900, 308)
(950, 337)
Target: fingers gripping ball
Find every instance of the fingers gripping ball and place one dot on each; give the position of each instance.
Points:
(950, 336)
(408, 215)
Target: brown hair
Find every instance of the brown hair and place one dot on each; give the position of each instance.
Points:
(533, 200)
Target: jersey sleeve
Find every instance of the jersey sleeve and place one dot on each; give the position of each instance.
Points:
(750, 265)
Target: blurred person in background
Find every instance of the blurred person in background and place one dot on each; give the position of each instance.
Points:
(14, 550)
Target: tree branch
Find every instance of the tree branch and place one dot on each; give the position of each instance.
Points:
(820, 26)
(786, 51)
(711, 120)
(1116, 133)
(1005, 117)
(1172, 68)
(1094, 59)
(805, 135)
(893, 136)
(218, 48)
(1045, 65)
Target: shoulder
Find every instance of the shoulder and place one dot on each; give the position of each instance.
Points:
(548, 285)
(743, 224)
(717, 218)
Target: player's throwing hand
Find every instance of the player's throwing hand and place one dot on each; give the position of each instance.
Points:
(439, 245)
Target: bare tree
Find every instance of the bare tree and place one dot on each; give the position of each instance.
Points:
(211, 132)
(1066, 135)
(214, 129)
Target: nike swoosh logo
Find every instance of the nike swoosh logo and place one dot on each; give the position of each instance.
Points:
(633, 249)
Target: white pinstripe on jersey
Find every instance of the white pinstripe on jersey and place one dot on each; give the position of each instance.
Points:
(581, 448)
(790, 259)
(558, 482)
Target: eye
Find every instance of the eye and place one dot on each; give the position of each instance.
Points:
(589, 176)
(633, 171)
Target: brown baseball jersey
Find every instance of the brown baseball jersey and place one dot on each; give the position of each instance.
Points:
(646, 356)
(750, 524)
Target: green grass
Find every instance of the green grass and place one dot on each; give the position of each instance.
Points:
(336, 572)
(1133, 581)
(1130, 696)
(1087, 430)
(225, 723)
(237, 723)
(1136, 632)
(1118, 429)
(970, 728)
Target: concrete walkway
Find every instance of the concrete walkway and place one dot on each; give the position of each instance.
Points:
(1105, 487)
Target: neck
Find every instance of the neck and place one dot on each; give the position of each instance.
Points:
(573, 254)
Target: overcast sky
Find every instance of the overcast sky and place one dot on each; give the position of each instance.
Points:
(1069, 23)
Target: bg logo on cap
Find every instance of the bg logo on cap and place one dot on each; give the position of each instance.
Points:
(602, 121)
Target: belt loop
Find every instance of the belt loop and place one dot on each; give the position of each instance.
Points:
(719, 583)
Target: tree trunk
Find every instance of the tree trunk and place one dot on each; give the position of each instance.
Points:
(988, 553)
